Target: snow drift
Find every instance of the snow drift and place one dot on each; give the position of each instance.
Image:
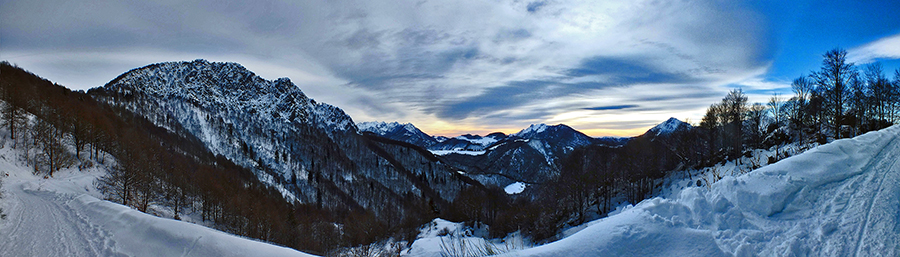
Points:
(840, 199)
(140, 234)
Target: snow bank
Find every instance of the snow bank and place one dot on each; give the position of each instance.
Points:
(140, 234)
(838, 199)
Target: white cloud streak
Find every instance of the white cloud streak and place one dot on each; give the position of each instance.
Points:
(885, 48)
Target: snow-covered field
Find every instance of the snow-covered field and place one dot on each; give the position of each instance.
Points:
(62, 216)
(839, 199)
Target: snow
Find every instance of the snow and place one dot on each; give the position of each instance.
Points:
(441, 238)
(515, 188)
(839, 199)
(457, 151)
(380, 128)
(62, 216)
(483, 141)
(532, 129)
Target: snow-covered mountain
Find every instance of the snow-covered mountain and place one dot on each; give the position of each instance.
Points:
(838, 199)
(251, 121)
(530, 155)
(401, 132)
(311, 152)
(668, 127)
(613, 141)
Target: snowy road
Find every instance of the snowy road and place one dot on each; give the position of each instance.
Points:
(839, 199)
(40, 223)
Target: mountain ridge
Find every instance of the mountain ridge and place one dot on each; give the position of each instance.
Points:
(310, 152)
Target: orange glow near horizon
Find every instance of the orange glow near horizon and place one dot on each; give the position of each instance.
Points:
(457, 131)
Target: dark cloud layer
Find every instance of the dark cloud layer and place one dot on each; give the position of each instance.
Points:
(611, 107)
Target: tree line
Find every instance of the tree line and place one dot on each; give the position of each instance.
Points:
(839, 100)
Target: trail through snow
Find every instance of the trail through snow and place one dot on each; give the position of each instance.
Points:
(62, 216)
(42, 224)
(839, 199)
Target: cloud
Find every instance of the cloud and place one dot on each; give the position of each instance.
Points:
(884, 48)
(611, 107)
(469, 63)
(627, 72)
(535, 6)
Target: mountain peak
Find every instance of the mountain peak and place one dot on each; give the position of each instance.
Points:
(532, 130)
(406, 132)
(229, 86)
(539, 129)
(668, 126)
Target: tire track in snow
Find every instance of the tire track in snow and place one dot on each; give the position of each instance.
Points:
(885, 165)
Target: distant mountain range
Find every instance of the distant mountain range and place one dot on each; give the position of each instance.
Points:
(530, 155)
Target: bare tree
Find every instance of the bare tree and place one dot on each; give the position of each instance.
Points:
(894, 98)
(776, 108)
(755, 119)
(882, 95)
(13, 118)
(117, 184)
(735, 105)
(834, 78)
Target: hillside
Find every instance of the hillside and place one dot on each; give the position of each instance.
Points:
(839, 199)
(63, 216)
(194, 142)
(311, 152)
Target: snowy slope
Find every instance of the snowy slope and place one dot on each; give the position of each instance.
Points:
(62, 216)
(259, 124)
(840, 199)
(400, 132)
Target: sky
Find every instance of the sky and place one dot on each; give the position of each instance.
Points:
(606, 68)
